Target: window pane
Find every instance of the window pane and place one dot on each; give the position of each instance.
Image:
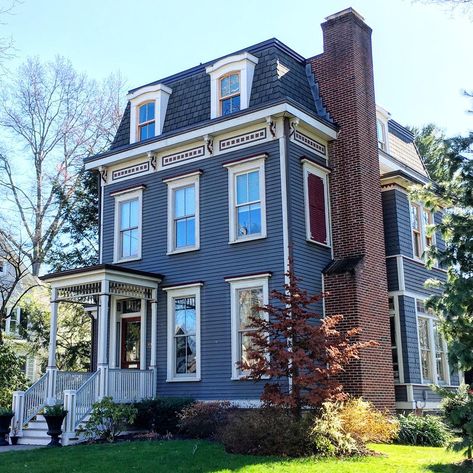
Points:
(424, 333)
(242, 189)
(235, 107)
(190, 200)
(234, 83)
(124, 215)
(226, 106)
(244, 220)
(125, 244)
(134, 242)
(181, 355)
(190, 237)
(191, 355)
(225, 87)
(179, 203)
(248, 300)
(150, 111)
(133, 213)
(255, 218)
(246, 344)
(415, 217)
(425, 361)
(181, 233)
(253, 186)
(143, 109)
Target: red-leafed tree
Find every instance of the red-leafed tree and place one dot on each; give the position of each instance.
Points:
(292, 341)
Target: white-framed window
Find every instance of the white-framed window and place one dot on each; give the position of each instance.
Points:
(381, 134)
(394, 339)
(183, 336)
(148, 106)
(317, 203)
(183, 213)
(247, 293)
(146, 120)
(421, 220)
(12, 323)
(231, 79)
(128, 223)
(247, 199)
(432, 347)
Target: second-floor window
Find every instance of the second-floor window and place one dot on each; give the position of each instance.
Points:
(230, 94)
(146, 121)
(421, 219)
(381, 133)
(128, 225)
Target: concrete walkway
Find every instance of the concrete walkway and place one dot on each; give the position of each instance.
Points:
(17, 448)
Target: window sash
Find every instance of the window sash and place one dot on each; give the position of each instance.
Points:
(186, 363)
(184, 220)
(231, 96)
(128, 225)
(252, 207)
(420, 219)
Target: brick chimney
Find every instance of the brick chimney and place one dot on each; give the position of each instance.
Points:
(357, 277)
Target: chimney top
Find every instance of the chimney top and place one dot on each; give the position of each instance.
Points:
(343, 13)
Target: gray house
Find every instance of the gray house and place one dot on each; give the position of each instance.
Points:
(217, 176)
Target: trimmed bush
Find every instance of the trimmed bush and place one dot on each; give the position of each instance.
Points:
(160, 415)
(201, 420)
(423, 430)
(366, 424)
(268, 431)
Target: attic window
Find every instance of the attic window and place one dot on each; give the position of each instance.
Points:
(231, 79)
(381, 132)
(230, 94)
(146, 121)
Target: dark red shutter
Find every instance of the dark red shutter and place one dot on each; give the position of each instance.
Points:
(318, 229)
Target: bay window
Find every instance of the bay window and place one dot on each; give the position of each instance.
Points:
(421, 219)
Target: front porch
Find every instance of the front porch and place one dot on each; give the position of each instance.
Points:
(123, 305)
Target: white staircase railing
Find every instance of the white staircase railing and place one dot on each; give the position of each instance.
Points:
(34, 399)
(69, 380)
(130, 385)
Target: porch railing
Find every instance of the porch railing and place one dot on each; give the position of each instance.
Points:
(34, 399)
(130, 385)
(70, 380)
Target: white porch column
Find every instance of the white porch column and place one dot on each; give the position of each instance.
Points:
(102, 359)
(51, 370)
(18, 408)
(154, 332)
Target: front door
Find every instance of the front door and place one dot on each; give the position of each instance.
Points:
(131, 343)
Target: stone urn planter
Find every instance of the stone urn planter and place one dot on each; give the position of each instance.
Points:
(14, 439)
(54, 416)
(5, 420)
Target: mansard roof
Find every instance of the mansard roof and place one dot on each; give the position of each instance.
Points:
(281, 73)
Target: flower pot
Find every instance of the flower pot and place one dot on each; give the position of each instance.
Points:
(5, 420)
(54, 428)
(14, 439)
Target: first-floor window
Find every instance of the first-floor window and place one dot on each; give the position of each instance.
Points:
(184, 333)
(432, 346)
(248, 295)
(394, 349)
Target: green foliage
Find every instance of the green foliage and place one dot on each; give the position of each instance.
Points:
(423, 430)
(453, 195)
(202, 420)
(5, 411)
(12, 377)
(267, 431)
(108, 420)
(457, 407)
(56, 410)
(160, 415)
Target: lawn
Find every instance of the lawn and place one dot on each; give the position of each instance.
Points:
(206, 457)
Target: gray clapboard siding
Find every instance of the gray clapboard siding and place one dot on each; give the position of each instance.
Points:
(392, 274)
(416, 274)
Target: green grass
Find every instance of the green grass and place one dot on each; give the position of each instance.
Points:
(205, 457)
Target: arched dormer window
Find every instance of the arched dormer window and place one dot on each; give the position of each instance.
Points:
(146, 121)
(229, 93)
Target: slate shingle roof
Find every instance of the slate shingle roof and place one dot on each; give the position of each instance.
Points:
(189, 103)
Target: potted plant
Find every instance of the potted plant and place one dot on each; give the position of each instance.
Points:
(6, 415)
(14, 433)
(54, 416)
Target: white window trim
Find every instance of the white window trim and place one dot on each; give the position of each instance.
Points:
(238, 167)
(383, 116)
(159, 93)
(246, 282)
(187, 290)
(433, 352)
(244, 64)
(311, 168)
(122, 197)
(397, 330)
(173, 184)
(423, 231)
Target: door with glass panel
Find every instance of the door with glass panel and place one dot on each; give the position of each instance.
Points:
(131, 342)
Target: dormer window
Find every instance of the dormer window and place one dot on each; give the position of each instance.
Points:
(230, 94)
(231, 79)
(381, 132)
(146, 121)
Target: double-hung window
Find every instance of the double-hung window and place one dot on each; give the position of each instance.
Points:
(128, 225)
(183, 333)
(316, 197)
(421, 220)
(247, 205)
(146, 120)
(230, 93)
(183, 213)
(247, 295)
(432, 347)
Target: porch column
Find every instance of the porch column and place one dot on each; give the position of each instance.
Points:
(154, 319)
(102, 359)
(51, 369)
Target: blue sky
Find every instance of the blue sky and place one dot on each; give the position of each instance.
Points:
(422, 55)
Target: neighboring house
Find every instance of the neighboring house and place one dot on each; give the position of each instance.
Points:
(217, 176)
(16, 326)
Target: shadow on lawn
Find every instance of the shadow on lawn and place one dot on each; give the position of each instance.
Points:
(464, 467)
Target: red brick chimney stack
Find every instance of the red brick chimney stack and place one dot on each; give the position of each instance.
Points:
(357, 282)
